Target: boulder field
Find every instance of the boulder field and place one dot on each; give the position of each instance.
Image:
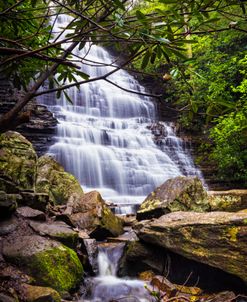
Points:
(49, 228)
(210, 228)
(46, 221)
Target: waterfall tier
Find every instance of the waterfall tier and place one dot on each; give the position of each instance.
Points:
(104, 138)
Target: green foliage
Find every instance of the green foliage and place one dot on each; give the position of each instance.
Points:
(214, 91)
(230, 137)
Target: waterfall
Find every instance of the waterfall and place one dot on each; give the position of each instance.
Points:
(108, 287)
(104, 137)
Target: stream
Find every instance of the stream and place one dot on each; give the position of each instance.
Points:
(107, 286)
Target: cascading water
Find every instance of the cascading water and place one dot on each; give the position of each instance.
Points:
(108, 287)
(104, 139)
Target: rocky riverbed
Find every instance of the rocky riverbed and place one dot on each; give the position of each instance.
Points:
(50, 232)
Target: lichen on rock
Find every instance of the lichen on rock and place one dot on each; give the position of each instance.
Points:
(17, 162)
(53, 180)
(177, 194)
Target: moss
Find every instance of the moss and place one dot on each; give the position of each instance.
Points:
(232, 233)
(59, 268)
(53, 180)
(111, 222)
(17, 160)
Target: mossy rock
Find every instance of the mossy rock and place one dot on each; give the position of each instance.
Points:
(48, 262)
(92, 213)
(53, 180)
(218, 239)
(177, 194)
(57, 230)
(8, 203)
(17, 162)
(229, 201)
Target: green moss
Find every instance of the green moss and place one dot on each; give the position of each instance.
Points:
(111, 222)
(59, 268)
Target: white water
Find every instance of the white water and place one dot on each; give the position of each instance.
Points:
(103, 138)
(108, 287)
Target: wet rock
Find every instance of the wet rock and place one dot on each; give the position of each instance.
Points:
(8, 203)
(92, 214)
(229, 201)
(138, 257)
(176, 194)
(30, 213)
(50, 263)
(128, 220)
(53, 180)
(57, 230)
(38, 201)
(8, 226)
(40, 294)
(128, 235)
(216, 238)
(17, 161)
(90, 248)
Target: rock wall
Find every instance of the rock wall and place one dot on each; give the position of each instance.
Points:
(42, 125)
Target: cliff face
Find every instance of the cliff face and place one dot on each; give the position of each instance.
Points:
(40, 129)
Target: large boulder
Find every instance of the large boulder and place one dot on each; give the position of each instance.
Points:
(91, 213)
(53, 180)
(176, 194)
(17, 162)
(138, 257)
(218, 239)
(48, 262)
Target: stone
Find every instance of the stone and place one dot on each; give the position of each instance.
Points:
(53, 180)
(17, 161)
(8, 226)
(30, 213)
(49, 262)
(229, 201)
(92, 214)
(217, 239)
(90, 248)
(7, 298)
(177, 194)
(8, 186)
(38, 201)
(57, 230)
(40, 294)
(138, 257)
(8, 203)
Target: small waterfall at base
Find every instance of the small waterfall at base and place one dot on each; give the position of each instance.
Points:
(104, 138)
(108, 287)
